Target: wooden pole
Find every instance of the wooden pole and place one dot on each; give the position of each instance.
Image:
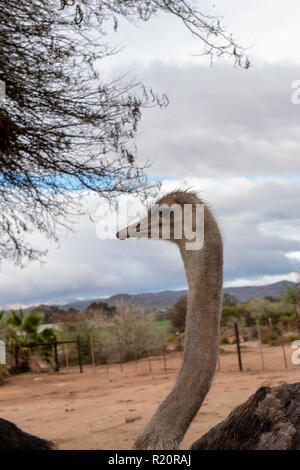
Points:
(238, 346)
(163, 352)
(219, 362)
(135, 356)
(79, 354)
(67, 356)
(284, 355)
(121, 363)
(17, 356)
(260, 346)
(92, 353)
(106, 356)
(148, 353)
(56, 355)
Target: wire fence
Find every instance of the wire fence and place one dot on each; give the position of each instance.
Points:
(239, 353)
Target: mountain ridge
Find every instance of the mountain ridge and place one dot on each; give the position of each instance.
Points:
(166, 299)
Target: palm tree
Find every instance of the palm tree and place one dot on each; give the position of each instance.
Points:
(23, 330)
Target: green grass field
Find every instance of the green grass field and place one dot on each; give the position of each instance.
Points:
(162, 325)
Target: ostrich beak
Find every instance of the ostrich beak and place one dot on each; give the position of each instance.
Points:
(122, 234)
(137, 230)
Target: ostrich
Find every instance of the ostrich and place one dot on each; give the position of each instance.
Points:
(13, 438)
(270, 419)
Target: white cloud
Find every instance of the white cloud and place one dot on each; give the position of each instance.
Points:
(264, 280)
(222, 121)
(88, 267)
(229, 133)
(294, 255)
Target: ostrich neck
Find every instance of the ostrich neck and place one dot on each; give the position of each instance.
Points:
(203, 269)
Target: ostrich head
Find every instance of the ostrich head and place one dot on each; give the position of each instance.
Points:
(177, 216)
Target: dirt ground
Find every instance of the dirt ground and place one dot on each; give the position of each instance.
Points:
(106, 409)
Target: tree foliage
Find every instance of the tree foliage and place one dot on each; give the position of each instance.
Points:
(232, 314)
(292, 296)
(48, 312)
(71, 324)
(229, 300)
(130, 333)
(2, 327)
(23, 330)
(266, 311)
(100, 308)
(64, 130)
(178, 316)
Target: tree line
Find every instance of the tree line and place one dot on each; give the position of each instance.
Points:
(278, 313)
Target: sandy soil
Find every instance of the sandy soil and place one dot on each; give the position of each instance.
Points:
(106, 409)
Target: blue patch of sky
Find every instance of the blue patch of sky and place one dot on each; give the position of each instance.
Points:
(66, 182)
(155, 179)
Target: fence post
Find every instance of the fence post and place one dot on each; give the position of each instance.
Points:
(17, 356)
(219, 361)
(238, 346)
(92, 353)
(121, 363)
(163, 352)
(67, 356)
(148, 353)
(135, 356)
(284, 355)
(260, 346)
(56, 355)
(79, 354)
(106, 356)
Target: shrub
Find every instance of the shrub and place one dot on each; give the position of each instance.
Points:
(273, 338)
(290, 338)
(225, 340)
(3, 373)
(171, 338)
(128, 356)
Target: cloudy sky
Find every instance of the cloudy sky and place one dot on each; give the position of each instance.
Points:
(233, 135)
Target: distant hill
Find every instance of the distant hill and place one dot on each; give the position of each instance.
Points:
(259, 292)
(163, 299)
(166, 299)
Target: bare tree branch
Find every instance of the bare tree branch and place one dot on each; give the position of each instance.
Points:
(65, 132)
